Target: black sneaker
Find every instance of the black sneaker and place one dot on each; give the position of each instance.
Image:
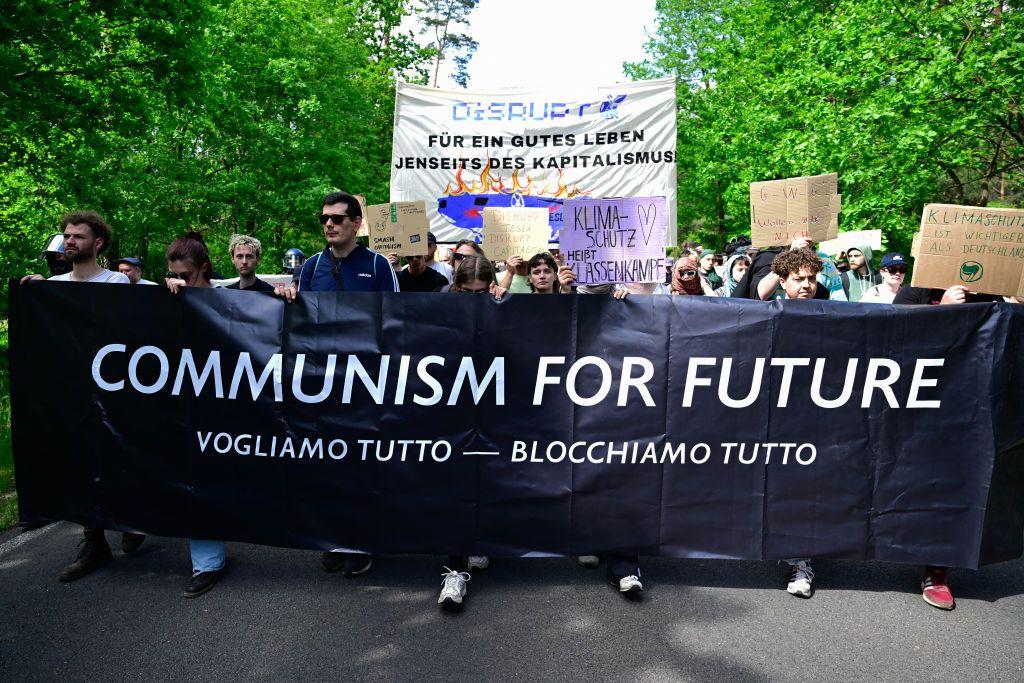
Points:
(333, 561)
(131, 542)
(357, 564)
(202, 582)
(94, 554)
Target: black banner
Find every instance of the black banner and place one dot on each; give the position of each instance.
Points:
(428, 423)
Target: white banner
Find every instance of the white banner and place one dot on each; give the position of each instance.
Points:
(463, 151)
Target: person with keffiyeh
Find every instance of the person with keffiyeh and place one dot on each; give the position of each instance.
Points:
(687, 280)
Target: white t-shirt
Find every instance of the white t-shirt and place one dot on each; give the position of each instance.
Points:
(145, 282)
(879, 294)
(102, 276)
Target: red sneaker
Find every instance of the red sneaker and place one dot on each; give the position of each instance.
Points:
(935, 590)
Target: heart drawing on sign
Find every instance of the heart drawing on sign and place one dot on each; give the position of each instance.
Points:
(647, 215)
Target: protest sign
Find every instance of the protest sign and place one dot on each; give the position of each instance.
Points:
(852, 239)
(615, 240)
(399, 227)
(980, 248)
(681, 426)
(464, 150)
(515, 231)
(782, 210)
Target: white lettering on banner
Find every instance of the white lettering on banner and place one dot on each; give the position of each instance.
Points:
(587, 381)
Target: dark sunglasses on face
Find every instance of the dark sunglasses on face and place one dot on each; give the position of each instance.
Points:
(687, 273)
(336, 218)
(179, 276)
(457, 256)
(897, 270)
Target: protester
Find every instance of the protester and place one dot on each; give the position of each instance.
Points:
(893, 270)
(687, 280)
(860, 277)
(188, 265)
(85, 235)
(516, 277)
(246, 253)
(544, 272)
(417, 276)
(707, 269)
(759, 282)
(797, 270)
(131, 267)
(343, 265)
(735, 267)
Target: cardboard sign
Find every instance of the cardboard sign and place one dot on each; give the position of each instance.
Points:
(364, 229)
(852, 239)
(515, 231)
(399, 227)
(615, 240)
(782, 210)
(980, 248)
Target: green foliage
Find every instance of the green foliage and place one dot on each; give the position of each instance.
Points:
(217, 115)
(909, 102)
(8, 496)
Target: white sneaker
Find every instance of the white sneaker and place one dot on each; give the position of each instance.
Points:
(453, 587)
(478, 562)
(800, 577)
(588, 561)
(630, 584)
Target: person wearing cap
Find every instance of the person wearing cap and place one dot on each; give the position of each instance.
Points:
(131, 267)
(893, 271)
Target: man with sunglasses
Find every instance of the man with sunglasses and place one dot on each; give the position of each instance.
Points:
(893, 270)
(343, 266)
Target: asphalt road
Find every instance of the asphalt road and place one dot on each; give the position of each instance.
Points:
(277, 616)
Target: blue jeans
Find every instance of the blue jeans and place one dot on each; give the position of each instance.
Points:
(207, 556)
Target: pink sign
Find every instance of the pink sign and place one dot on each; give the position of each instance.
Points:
(615, 240)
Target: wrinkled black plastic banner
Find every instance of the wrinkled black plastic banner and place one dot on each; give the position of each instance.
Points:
(917, 485)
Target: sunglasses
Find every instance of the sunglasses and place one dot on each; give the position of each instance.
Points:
(897, 270)
(457, 256)
(179, 276)
(687, 273)
(336, 218)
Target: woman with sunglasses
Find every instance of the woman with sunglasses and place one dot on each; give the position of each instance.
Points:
(687, 280)
(894, 270)
(188, 265)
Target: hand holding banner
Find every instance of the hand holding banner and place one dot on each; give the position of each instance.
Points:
(615, 240)
(515, 231)
(399, 227)
(781, 210)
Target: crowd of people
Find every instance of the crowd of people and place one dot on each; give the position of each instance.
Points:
(797, 271)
